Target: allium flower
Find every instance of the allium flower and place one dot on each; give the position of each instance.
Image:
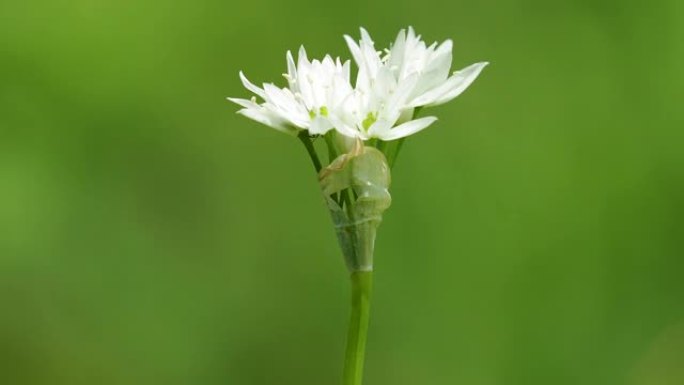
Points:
(356, 124)
(409, 75)
(315, 90)
(389, 88)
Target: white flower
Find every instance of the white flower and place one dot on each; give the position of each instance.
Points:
(315, 91)
(408, 57)
(389, 88)
(409, 75)
(379, 111)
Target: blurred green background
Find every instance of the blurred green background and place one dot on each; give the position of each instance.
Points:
(149, 235)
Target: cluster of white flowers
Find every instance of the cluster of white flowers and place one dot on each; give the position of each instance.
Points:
(390, 85)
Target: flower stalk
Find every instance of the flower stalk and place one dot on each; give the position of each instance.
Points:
(361, 285)
(304, 138)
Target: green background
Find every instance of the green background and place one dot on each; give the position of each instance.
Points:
(149, 235)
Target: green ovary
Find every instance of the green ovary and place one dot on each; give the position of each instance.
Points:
(370, 119)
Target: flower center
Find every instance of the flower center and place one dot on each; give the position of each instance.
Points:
(370, 119)
(323, 111)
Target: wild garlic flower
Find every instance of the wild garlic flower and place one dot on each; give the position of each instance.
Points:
(410, 57)
(389, 88)
(409, 75)
(356, 123)
(315, 90)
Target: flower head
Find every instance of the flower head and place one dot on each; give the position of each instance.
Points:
(410, 55)
(410, 74)
(315, 90)
(389, 88)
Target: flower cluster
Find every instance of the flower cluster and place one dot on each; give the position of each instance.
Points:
(359, 122)
(391, 85)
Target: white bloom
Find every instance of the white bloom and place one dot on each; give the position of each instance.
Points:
(379, 111)
(409, 75)
(315, 91)
(389, 88)
(408, 57)
(378, 108)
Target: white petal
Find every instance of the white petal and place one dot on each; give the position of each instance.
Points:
(371, 56)
(363, 77)
(302, 56)
(436, 69)
(304, 77)
(465, 78)
(268, 119)
(363, 80)
(291, 72)
(248, 85)
(445, 48)
(385, 84)
(286, 105)
(328, 62)
(346, 70)
(399, 98)
(379, 128)
(366, 57)
(450, 89)
(440, 60)
(343, 128)
(319, 126)
(365, 36)
(277, 97)
(397, 52)
(411, 34)
(408, 128)
(246, 103)
(355, 51)
(341, 90)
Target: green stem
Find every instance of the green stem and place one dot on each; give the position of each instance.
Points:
(362, 282)
(304, 137)
(393, 159)
(330, 142)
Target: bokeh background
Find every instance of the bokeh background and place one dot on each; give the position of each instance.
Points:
(149, 235)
